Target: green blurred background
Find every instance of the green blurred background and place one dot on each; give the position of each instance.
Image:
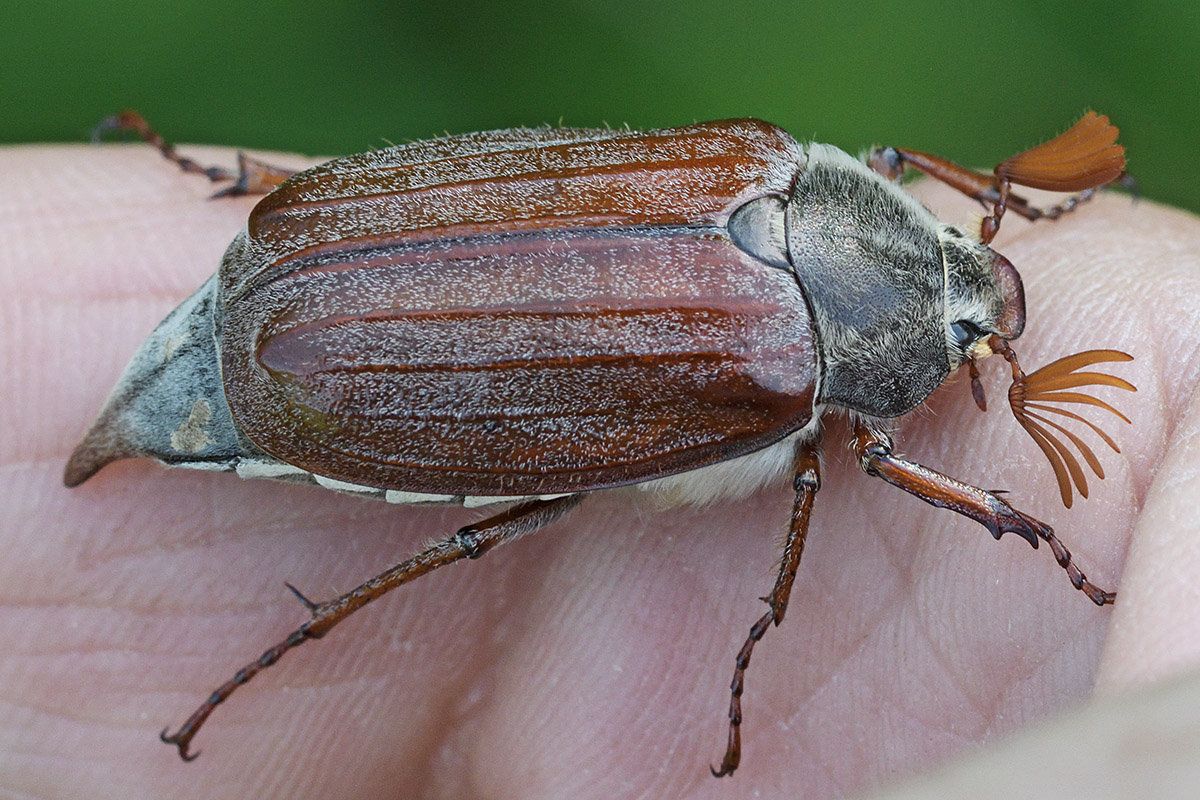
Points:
(972, 81)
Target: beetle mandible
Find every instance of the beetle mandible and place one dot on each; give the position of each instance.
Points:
(523, 316)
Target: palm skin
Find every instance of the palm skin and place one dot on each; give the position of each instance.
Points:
(592, 659)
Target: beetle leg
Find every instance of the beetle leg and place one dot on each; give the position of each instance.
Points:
(1083, 158)
(252, 176)
(874, 451)
(891, 161)
(807, 480)
(471, 541)
(986, 189)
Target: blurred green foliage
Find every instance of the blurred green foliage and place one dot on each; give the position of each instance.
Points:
(974, 82)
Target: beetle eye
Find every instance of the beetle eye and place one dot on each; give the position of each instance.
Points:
(965, 333)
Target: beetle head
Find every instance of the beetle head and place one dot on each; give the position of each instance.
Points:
(985, 309)
(984, 296)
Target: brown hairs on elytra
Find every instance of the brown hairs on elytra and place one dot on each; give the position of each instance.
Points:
(1028, 397)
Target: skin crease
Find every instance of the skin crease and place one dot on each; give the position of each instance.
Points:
(591, 659)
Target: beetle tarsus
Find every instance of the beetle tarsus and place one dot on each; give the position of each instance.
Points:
(1080, 581)
(807, 481)
(135, 123)
(180, 742)
(252, 176)
(733, 754)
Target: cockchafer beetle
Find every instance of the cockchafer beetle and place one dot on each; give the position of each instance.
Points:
(522, 316)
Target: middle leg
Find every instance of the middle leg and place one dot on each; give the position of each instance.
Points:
(807, 480)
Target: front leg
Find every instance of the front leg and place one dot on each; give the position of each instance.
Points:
(874, 451)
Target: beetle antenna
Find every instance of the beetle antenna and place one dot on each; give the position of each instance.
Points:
(1080, 160)
(1029, 395)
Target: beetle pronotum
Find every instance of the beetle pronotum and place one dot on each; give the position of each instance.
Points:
(523, 316)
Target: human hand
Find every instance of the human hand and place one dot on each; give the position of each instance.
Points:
(592, 659)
